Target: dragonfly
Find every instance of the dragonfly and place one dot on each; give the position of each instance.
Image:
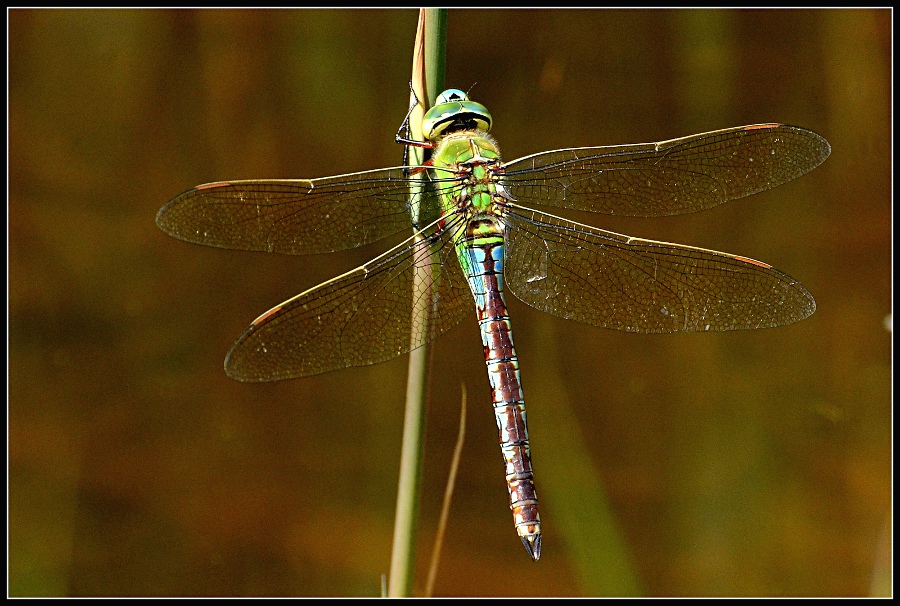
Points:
(476, 240)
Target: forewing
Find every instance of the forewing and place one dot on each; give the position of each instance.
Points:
(613, 281)
(297, 216)
(667, 178)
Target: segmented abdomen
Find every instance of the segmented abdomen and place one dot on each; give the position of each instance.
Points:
(481, 255)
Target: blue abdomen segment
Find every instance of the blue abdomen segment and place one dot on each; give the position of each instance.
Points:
(481, 256)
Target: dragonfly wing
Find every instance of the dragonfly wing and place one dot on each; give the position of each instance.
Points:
(297, 216)
(667, 178)
(582, 273)
(362, 317)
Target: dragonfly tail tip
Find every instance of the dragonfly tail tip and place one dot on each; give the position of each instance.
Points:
(532, 544)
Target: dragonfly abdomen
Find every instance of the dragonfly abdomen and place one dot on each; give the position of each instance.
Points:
(481, 252)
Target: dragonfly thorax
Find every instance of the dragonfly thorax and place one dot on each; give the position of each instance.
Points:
(466, 148)
(474, 160)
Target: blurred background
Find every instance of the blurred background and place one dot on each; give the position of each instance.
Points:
(736, 464)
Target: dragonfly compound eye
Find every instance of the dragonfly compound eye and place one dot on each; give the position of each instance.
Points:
(453, 111)
(450, 95)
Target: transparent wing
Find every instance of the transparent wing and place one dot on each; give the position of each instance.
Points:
(598, 277)
(668, 178)
(302, 216)
(362, 317)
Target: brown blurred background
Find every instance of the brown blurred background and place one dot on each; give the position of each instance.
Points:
(745, 463)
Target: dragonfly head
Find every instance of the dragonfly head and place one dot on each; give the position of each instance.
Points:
(454, 111)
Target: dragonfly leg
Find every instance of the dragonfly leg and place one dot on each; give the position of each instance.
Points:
(405, 124)
(404, 136)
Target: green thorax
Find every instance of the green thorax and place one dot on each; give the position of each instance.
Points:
(474, 157)
(459, 126)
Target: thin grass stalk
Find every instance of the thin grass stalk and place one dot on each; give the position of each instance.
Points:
(448, 497)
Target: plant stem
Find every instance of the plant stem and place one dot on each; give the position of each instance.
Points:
(427, 78)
